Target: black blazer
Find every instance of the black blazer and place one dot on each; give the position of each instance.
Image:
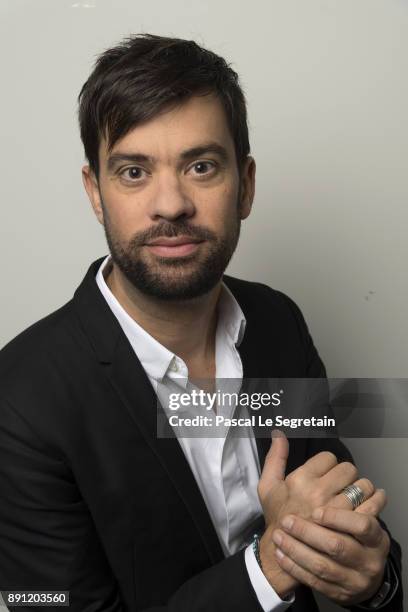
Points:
(91, 501)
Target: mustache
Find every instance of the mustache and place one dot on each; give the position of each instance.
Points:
(171, 230)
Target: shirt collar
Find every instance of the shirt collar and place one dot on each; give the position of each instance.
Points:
(154, 357)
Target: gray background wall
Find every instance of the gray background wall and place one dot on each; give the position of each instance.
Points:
(326, 82)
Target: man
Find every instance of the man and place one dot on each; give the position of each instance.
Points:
(93, 501)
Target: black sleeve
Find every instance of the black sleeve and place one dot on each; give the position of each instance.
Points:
(316, 369)
(48, 539)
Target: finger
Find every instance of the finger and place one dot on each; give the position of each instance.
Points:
(332, 591)
(312, 568)
(365, 528)
(320, 464)
(374, 505)
(275, 462)
(343, 474)
(340, 547)
(342, 501)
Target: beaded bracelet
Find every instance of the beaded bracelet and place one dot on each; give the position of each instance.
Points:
(255, 548)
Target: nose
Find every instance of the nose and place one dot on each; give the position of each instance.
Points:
(169, 200)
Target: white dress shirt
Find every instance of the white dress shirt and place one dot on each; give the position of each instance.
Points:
(227, 468)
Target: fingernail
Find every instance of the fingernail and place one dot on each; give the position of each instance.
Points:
(277, 537)
(276, 433)
(317, 514)
(287, 523)
(279, 553)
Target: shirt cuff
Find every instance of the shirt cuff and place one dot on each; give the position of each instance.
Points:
(267, 596)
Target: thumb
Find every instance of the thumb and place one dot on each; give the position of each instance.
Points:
(276, 459)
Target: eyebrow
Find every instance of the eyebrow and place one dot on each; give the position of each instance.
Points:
(198, 151)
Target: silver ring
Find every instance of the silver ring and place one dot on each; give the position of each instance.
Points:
(354, 494)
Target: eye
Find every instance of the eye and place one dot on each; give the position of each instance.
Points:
(132, 174)
(203, 168)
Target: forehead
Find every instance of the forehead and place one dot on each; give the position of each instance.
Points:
(198, 120)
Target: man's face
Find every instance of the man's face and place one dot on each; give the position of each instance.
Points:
(171, 200)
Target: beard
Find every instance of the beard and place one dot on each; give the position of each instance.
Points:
(174, 278)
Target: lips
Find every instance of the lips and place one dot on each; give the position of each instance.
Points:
(175, 246)
(173, 241)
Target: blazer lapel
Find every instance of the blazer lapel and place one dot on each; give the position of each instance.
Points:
(132, 385)
(260, 360)
(257, 360)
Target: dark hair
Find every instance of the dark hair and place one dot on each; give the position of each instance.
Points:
(146, 74)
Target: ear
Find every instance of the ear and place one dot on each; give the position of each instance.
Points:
(92, 189)
(247, 186)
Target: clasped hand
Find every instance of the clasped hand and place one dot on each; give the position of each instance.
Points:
(313, 536)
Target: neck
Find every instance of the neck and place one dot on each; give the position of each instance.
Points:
(186, 327)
